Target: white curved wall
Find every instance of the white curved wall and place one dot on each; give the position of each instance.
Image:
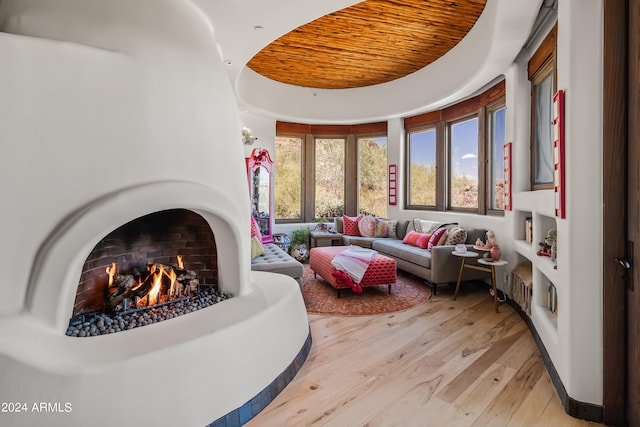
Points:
(109, 111)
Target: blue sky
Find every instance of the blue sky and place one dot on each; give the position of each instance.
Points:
(465, 146)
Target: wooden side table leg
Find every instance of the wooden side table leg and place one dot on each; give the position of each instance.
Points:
(455, 295)
(495, 290)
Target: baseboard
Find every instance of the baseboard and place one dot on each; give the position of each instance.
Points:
(573, 407)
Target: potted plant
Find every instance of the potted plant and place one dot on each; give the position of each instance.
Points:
(300, 243)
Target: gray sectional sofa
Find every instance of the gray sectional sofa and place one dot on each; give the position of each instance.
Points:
(437, 267)
(277, 260)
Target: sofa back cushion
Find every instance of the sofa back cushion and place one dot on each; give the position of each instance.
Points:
(474, 234)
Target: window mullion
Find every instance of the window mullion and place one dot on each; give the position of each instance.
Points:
(309, 178)
(441, 166)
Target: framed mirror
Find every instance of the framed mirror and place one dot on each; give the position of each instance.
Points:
(259, 166)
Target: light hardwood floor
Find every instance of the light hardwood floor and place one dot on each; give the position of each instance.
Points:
(443, 363)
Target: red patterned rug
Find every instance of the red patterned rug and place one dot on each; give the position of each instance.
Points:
(320, 298)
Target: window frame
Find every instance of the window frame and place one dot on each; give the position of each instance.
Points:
(491, 108)
(309, 133)
(437, 127)
(357, 143)
(542, 64)
(449, 147)
(303, 179)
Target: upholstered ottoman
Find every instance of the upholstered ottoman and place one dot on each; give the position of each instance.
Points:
(381, 270)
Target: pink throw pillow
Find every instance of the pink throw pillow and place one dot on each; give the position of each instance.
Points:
(411, 238)
(435, 237)
(350, 227)
(255, 229)
(423, 240)
(417, 239)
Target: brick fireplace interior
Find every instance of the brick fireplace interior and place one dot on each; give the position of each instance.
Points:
(154, 238)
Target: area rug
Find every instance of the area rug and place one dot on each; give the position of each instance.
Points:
(320, 298)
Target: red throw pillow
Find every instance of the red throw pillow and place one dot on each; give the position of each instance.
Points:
(255, 229)
(423, 240)
(435, 237)
(411, 238)
(350, 227)
(417, 239)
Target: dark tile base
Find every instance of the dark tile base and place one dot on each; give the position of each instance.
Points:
(246, 412)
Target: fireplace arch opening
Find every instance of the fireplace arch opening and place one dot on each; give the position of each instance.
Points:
(153, 268)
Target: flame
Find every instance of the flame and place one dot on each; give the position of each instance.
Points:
(157, 282)
(172, 276)
(111, 271)
(180, 264)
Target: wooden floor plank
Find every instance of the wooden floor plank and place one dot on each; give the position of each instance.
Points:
(442, 363)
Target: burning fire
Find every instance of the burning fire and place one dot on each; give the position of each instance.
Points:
(157, 283)
(111, 271)
(151, 288)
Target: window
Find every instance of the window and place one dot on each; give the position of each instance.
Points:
(463, 178)
(372, 176)
(541, 73)
(497, 139)
(324, 171)
(329, 178)
(542, 147)
(455, 156)
(288, 185)
(421, 168)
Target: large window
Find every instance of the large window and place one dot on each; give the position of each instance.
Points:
(463, 179)
(455, 156)
(497, 132)
(325, 171)
(288, 174)
(541, 73)
(422, 167)
(372, 176)
(329, 178)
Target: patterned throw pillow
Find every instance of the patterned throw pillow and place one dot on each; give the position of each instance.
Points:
(255, 229)
(435, 237)
(457, 235)
(425, 225)
(350, 227)
(386, 228)
(367, 226)
(443, 238)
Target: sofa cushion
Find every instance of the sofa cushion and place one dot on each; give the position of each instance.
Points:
(386, 228)
(456, 235)
(350, 226)
(402, 227)
(367, 226)
(435, 237)
(474, 234)
(276, 260)
(256, 247)
(420, 240)
(396, 248)
(364, 242)
(255, 228)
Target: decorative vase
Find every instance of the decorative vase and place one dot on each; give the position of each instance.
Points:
(495, 253)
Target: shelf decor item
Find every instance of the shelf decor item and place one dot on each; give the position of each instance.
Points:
(507, 176)
(393, 178)
(558, 153)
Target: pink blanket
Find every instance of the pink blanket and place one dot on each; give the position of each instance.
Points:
(351, 265)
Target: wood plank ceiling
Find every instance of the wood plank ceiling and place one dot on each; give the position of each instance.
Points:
(372, 42)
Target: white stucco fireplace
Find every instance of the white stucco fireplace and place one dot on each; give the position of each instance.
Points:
(112, 111)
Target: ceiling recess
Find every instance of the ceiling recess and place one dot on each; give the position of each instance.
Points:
(372, 42)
